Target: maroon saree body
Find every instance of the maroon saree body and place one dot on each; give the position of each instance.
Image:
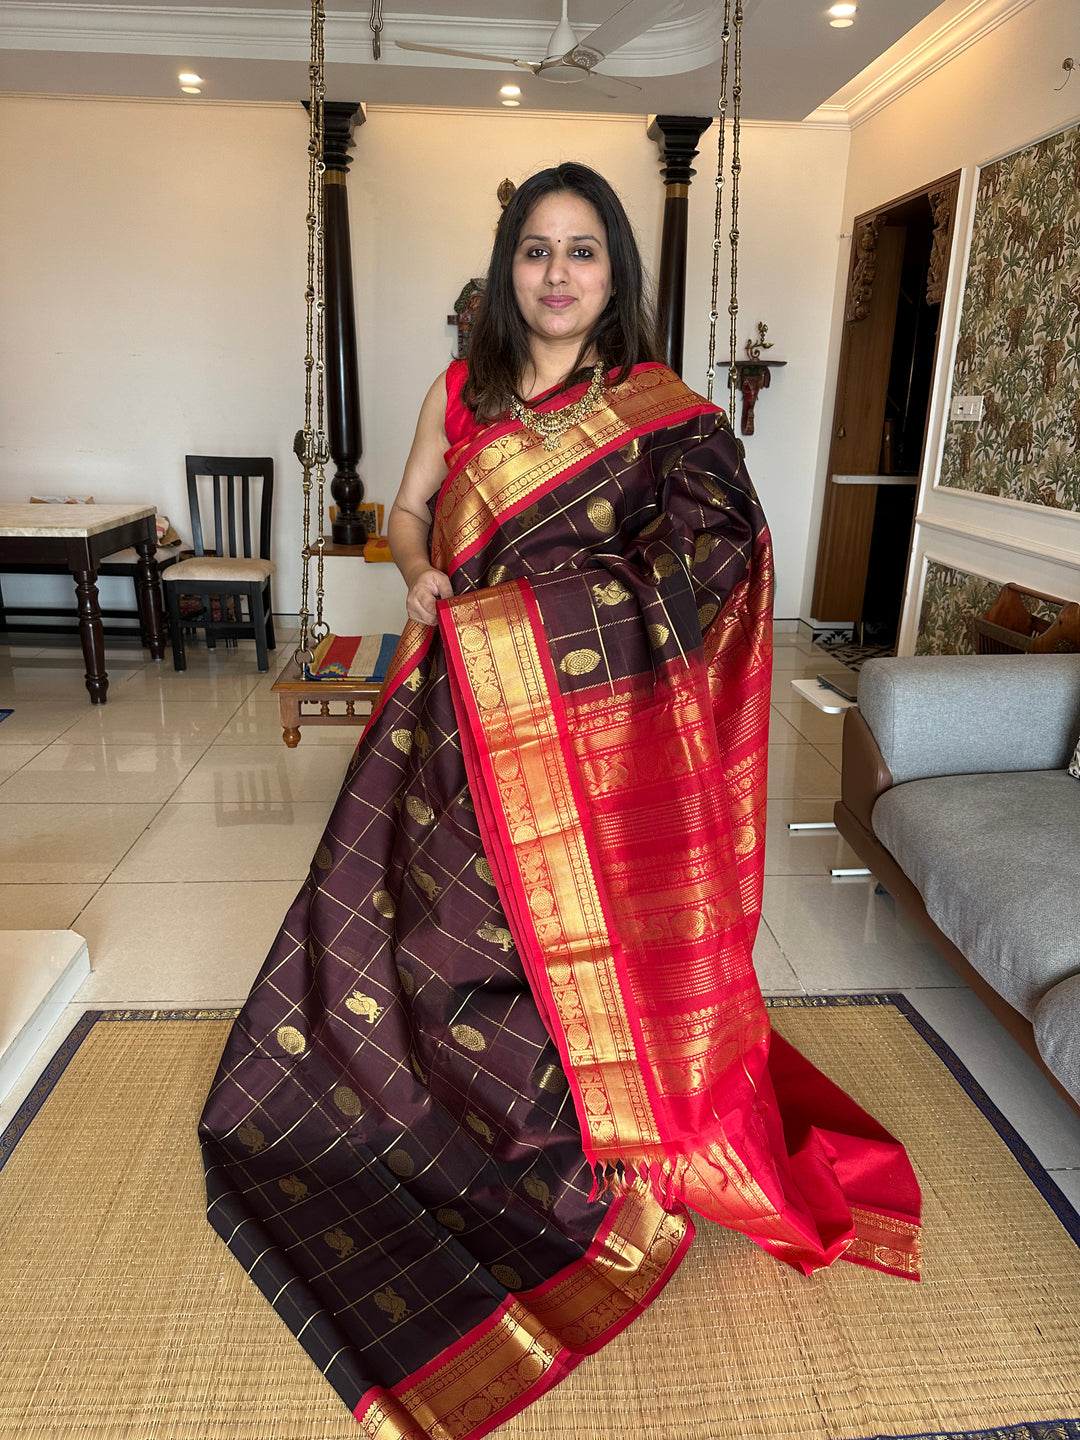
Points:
(509, 1034)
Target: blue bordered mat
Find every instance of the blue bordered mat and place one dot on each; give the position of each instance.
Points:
(1033, 1168)
(48, 1079)
(1056, 1429)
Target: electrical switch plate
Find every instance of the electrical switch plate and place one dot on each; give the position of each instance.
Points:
(966, 407)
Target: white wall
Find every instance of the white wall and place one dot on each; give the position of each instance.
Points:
(154, 268)
(996, 96)
(151, 291)
(791, 199)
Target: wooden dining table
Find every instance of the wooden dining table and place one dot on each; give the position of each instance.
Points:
(80, 537)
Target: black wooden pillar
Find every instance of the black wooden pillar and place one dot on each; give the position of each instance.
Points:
(677, 136)
(342, 370)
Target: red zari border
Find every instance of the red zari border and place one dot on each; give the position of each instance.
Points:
(537, 1337)
(515, 744)
(638, 1088)
(505, 467)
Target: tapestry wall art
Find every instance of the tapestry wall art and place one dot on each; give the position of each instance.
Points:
(1019, 345)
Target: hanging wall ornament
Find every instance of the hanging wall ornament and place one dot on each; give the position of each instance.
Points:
(465, 307)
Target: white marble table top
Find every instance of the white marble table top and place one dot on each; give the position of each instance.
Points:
(75, 521)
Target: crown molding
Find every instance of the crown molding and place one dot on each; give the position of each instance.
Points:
(819, 120)
(233, 32)
(886, 80)
(474, 112)
(604, 117)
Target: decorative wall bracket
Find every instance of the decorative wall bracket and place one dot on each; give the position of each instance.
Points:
(755, 375)
(942, 205)
(863, 266)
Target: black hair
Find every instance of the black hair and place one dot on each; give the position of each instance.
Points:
(624, 334)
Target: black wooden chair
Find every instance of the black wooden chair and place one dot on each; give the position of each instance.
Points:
(234, 572)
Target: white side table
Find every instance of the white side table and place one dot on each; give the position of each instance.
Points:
(822, 696)
(832, 703)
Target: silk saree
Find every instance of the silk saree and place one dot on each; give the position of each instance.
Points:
(509, 1036)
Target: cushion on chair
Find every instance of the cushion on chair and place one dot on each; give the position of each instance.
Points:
(352, 657)
(209, 567)
(995, 859)
(130, 556)
(1057, 1032)
(1074, 763)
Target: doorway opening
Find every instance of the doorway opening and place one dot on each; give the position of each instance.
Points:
(896, 282)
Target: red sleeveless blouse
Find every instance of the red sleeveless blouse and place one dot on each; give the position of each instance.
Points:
(460, 421)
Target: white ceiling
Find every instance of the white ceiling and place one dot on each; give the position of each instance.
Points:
(794, 60)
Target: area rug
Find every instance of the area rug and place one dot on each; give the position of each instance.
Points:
(125, 1318)
(852, 655)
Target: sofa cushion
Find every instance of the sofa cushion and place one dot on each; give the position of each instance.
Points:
(1057, 1032)
(971, 714)
(995, 859)
(1074, 763)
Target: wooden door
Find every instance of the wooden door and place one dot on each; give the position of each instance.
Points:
(847, 520)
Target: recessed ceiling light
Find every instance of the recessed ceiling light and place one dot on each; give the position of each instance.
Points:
(188, 79)
(841, 24)
(844, 9)
(510, 90)
(512, 103)
(191, 89)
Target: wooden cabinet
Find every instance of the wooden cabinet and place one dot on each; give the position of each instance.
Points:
(847, 521)
(899, 262)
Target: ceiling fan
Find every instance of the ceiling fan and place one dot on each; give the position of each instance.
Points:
(569, 59)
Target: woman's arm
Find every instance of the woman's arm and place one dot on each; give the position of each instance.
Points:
(410, 519)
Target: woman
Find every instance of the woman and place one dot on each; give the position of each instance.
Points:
(510, 1034)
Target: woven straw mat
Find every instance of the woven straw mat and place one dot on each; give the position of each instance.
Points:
(125, 1318)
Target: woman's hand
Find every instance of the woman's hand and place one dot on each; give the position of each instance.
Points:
(429, 586)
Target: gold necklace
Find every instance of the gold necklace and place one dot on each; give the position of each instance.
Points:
(552, 425)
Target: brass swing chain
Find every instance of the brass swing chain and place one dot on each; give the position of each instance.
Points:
(718, 220)
(736, 171)
(731, 61)
(375, 24)
(310, 444)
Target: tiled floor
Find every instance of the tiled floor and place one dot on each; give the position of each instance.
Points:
(171, 828)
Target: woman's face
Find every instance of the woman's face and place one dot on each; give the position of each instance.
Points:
(562, 269)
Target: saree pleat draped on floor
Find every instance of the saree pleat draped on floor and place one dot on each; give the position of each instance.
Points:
(509, 1035)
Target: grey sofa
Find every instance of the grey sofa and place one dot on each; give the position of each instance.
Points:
(955, 793)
